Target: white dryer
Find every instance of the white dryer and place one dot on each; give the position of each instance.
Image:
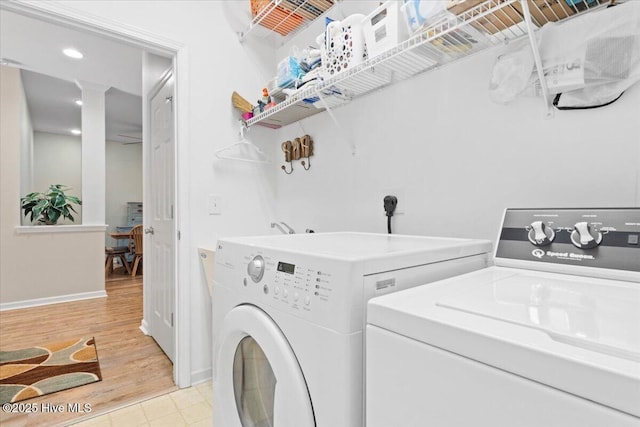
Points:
(289, 316)
(550, 336)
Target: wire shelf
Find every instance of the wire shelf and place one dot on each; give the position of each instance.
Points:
(488, 23)
(285, 17)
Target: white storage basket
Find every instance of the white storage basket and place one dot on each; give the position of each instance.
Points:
(383, 28)
(342, 45)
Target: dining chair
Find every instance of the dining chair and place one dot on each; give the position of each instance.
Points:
(135, 247)
(115, 252)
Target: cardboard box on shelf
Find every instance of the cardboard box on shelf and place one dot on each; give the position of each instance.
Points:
(274, 17)
(498, 20)
(543, 11)
(460, 41)
(321, 4)
(309, 9)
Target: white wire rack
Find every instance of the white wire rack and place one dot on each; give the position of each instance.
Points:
(488, 23)
(286, 17)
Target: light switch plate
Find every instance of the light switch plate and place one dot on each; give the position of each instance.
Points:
(214, 204)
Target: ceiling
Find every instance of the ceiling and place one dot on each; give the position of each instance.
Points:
(49, 76)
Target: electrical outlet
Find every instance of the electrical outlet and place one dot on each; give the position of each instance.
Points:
(214, 204)
(400, 195)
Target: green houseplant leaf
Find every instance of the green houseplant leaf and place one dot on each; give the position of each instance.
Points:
(47, 208)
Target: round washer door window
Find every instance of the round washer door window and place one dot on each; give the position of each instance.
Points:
(259, 381)
(254, 384)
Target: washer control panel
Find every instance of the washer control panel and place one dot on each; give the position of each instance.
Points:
(295, 286)
(321, 290)
(602, 238)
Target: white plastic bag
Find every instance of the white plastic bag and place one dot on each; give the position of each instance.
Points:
(590, 59)
(511, 73)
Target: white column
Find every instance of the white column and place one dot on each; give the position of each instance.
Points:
(93, 153)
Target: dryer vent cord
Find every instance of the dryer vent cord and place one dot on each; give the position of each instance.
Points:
(390, 203)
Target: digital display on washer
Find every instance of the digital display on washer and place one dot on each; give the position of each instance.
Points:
(286, 268)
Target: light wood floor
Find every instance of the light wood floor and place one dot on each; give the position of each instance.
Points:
(133, 366)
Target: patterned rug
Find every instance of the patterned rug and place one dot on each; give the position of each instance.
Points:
(41, 370)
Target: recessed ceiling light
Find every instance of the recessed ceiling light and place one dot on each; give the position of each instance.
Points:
(79, 102)
(73, 53)
(76, 131)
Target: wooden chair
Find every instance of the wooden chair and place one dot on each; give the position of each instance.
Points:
(116, 252)
(135, 247)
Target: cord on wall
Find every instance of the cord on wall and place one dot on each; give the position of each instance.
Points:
(390, 203)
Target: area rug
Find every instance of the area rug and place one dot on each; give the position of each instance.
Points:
(41, 370)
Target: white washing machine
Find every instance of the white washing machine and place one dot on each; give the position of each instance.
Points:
(550, 336)
(289, 316)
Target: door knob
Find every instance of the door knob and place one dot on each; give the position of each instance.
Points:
(149, 230)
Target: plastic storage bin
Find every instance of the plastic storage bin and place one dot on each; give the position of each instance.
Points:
(419, 12)
(342, 45)
(383, 28)
(288, 72)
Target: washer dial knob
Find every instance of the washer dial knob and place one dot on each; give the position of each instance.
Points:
(584, 237)
(540, 234)
(255, 269)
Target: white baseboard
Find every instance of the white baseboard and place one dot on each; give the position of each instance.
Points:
(51, 300)
(201, 376)
(144, 327)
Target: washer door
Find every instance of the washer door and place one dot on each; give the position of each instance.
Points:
(260, 383)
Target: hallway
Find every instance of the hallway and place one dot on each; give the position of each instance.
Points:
(133, 367)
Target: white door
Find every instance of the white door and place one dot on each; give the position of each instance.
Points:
(159, 277)
(258, 380)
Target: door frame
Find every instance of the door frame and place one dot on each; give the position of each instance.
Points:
(160, 45)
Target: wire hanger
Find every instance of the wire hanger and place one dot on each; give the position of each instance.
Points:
(243, 150)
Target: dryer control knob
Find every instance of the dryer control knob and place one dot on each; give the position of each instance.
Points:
(255, 269)
(540, 234)
(584, 237)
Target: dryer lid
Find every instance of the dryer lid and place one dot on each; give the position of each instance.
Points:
(369, 248)
(576, 334)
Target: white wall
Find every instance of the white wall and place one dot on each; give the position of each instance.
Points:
(26, 260)
(153, 68)
(57, 159)
(455, 159)
(26, 147)
(32, 162)
(124, 182)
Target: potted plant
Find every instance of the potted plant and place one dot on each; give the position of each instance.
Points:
(47, 208)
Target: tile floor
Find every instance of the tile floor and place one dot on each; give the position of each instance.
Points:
(186, 407)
